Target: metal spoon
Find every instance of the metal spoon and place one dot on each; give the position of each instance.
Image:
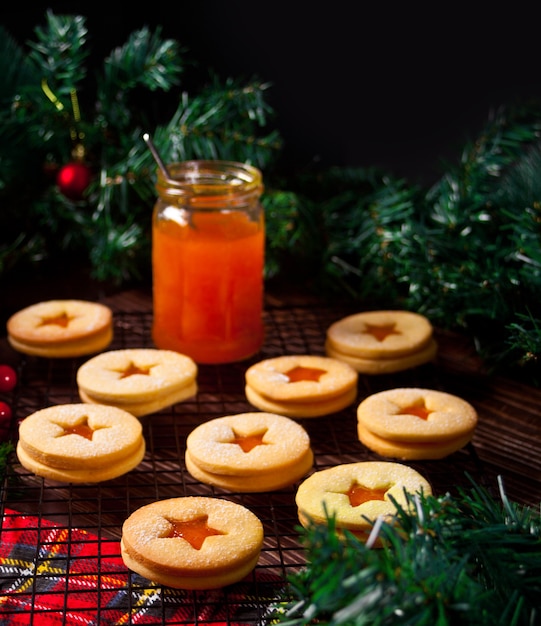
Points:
(148, 140)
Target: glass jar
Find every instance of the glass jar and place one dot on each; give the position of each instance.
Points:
(208, 246)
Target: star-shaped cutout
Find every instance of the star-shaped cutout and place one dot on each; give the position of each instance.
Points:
(62, 319)
(194, 531)
(380, 333)
(359, 494)
(133, 369)
(419, 410)
(81, 428)
(304, 373)
(249, 442)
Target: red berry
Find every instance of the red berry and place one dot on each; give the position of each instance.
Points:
(8, 378)
(5, 412)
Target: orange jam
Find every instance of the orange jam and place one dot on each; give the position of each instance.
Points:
(208, 286)
(248, 442)
(304, 373)
(133, 369)
(83, 430)
(63, 319)
(418, 410)
(380, 333)
(358, 494)
(193, 531)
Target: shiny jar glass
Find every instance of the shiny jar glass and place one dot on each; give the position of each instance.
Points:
(208, 247)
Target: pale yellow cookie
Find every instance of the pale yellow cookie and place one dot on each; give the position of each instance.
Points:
(249, 452)
(80, 443)
(411, 450)
(386, 365)
(380, 334)
(139, 409)
(61, 328)
(138, 380)
(356, 494)
(299, 410)
(192, 542)
(412, 414)
(301, 385)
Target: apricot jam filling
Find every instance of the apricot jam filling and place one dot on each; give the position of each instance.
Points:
(82, 429)
(194, 531)
(249, 442)
(62, 319)
(133, 369)
(299, 373)
(380, 333)
(418, 410)
(358, 494)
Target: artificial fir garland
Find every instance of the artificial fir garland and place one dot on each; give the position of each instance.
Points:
(466, 252)
(466, 559)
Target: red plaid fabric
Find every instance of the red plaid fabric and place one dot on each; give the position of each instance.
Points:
(51, 575)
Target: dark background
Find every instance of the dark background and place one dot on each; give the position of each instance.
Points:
(400, 88)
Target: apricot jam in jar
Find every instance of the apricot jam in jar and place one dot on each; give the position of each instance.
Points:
(208, 248)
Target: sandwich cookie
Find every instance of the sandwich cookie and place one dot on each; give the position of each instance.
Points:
(357, 494)
(61, 328)
(249, 452)
(382, 342)
(192, 542)
(300, 386)
(79, 443)
(138, 380)
(415, 424)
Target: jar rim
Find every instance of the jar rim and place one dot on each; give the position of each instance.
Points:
(210, 177)
(208, 183)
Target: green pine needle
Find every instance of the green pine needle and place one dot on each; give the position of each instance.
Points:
(465, 560)
(466, 252)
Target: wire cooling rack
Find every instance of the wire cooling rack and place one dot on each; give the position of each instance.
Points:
(98, 511)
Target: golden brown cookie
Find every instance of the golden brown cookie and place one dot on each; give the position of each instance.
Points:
(410, 450)
(301, 385)
(249, 452)
(192, 542)
(386, 365)
(80, 443)
(356, 494)
(138, 380)
(61, 328)
(380, 334)
(382, 342)
(414, 423)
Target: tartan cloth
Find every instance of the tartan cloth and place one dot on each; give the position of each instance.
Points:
(51, 575)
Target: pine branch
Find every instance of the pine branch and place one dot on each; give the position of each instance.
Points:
(466, 253)
(60, 53)
(146, 61)
(468, 560)
(225, 121)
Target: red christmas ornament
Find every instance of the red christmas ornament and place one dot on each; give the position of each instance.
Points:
(73, 179)
(8, 378)
(5, 412)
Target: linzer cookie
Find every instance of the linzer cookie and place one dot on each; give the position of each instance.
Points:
(138, 380)
(382, 342)
(79, 443)
(192, 542)
(301, 386)
(249, 452)
(414, 424)
(356, 494)
(61, 328)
